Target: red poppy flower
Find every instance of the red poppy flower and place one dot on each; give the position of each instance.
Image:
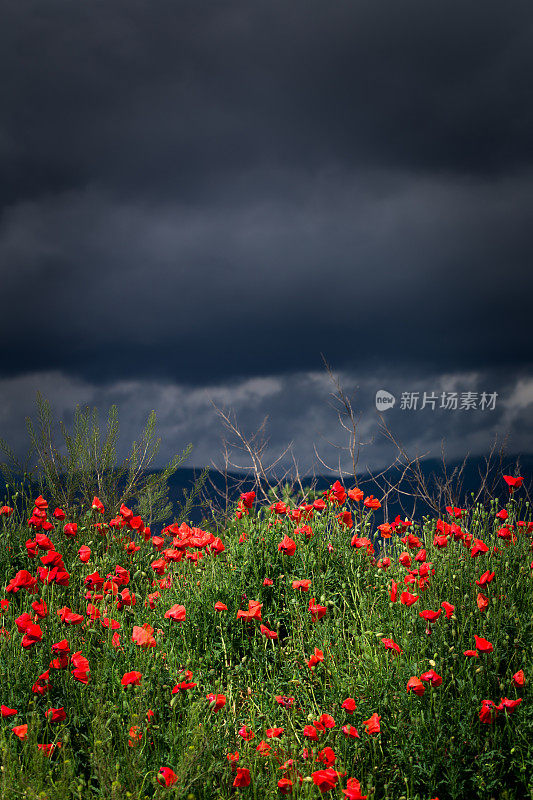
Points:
(218, 701)
(412, 542)
(246, 734)
(339, 492)
(326, 720)
(217, 546)
(345, 519)
(8, 712)
(372, 724)
(184, 685)
(97, 505)
(385, 530)
(268, 633)
(390, 645)
(327, 756)
(21, 731)
(455, 512)
(471, 653)
(133, 678)
(478, 547)
(482, 601)
(311, 732)
(430, 616)
(355, 494)
(285, 786)
(254, 611)
(372, 502)
(483, 645)
(353, 790)
(93, 612)
(359, 542)
(509, 705)
(408, 599)
(32, 635)
(513, 483)
(41, 686)
(519, 678)
(220, 606)
(393, 594)
(43, 542)
(40, 608)
(303, 585)
(143, 636)
(135, 735)
(6, 511)
(61, 647)
(487, 577)
(405, 560)
(325, 779)
(415, 684)
(55, 714)
(317, 656)
(287, 546)
(349, 705)
(247, 499)
(23, 621)
(317, 611)
(283, 700)
(488, 712)
(243, 777)
(80, 675)
(350, 732)
(24, 580)
(431, 677)
(110, 623)
(69, 617)
(84, 553)
(448, 608)
(274, 733)
(167, 776)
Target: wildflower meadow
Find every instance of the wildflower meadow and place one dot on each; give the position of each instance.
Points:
(300, 650)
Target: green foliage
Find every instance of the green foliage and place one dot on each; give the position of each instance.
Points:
(88, 466)
(432, 745)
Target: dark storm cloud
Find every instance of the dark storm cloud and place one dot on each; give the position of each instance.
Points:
(174, 98)
(201, 191)
(431, 273)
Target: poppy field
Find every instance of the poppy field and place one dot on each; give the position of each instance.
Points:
(301, 651)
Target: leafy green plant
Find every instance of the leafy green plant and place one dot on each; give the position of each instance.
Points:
(88, 465)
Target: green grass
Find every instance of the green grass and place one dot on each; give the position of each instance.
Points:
(432, 745)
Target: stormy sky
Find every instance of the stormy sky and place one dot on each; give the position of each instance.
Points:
(201, 200)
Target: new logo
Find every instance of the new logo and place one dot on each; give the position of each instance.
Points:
(384, 400)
